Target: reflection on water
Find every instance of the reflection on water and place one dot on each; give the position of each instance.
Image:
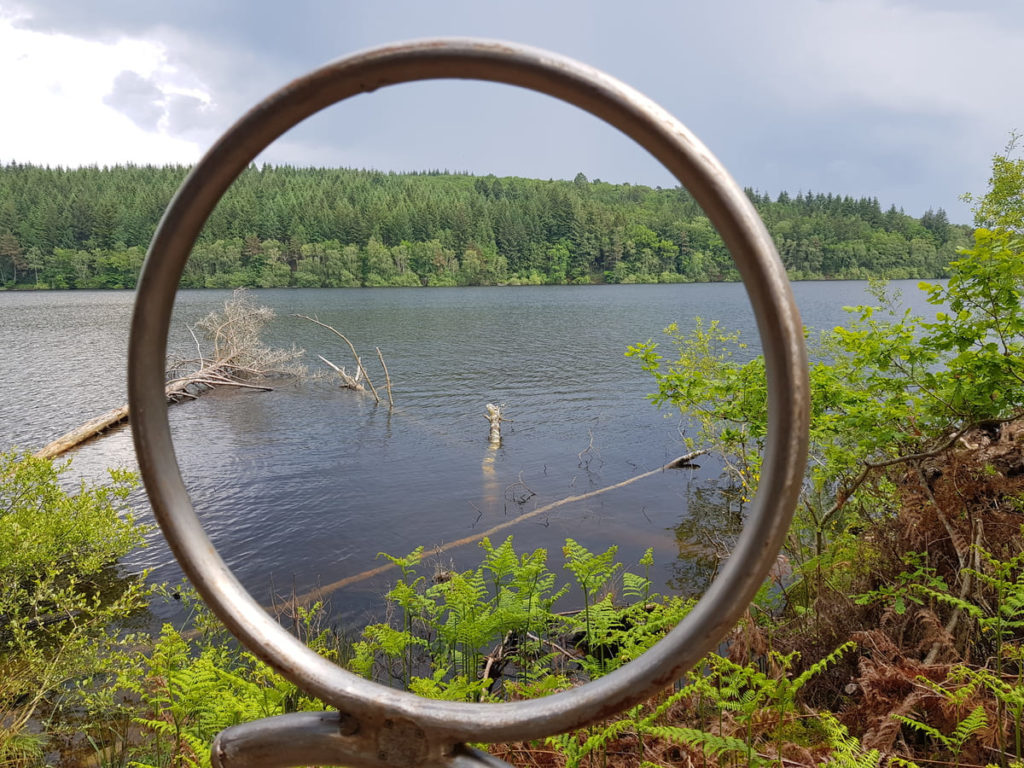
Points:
(304, 485)
(706, 534)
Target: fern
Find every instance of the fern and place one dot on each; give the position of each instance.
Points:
(713, 745)
(846, 750)
(966, 728)
(635, 588)
(602, 737)
(975, 721)
(500, 563)
(821, 665)
(592, 572)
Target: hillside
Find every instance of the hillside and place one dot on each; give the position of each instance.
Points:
(309, 227)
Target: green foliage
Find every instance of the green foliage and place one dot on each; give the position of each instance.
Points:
(890, 391)
(910, 586)
(189, 686)
(846, 750)
(60, 594)
(724, 397)
(761, 705)
(974, 722)
(499, 617)
(889, 387)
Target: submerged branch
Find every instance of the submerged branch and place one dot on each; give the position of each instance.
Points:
(321, 591)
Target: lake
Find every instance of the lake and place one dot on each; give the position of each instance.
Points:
(304, 485)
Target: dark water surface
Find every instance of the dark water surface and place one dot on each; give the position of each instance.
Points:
(304, 485)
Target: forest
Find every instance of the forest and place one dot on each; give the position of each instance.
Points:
(315, 227)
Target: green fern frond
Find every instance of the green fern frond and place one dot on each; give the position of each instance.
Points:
(635, 587)
(976, 721)
(712, 744)
(606, 735)
(846, 749)
(822, 664)
(924, 728)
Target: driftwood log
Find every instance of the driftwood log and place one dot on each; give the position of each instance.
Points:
(80, 434)
(238, 359)
(185, 388)
(320, 592)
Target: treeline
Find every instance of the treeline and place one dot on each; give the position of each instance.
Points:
(314, 227)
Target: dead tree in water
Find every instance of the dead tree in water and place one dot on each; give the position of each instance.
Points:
(494, 419)
(354, 381)
(238, 359)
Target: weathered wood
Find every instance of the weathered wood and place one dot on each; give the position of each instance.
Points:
(352, 382)
(322, 591)
(387, 378)
(82, 433)
(494, 419)
(176, 391)
(238, 357)
(351, 346)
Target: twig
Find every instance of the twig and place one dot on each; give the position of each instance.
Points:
(852, 487)
(199, 347)
(965, 589)
(589, 449)
(348, 381)
(493, 657)
(554, 645)
(387, 378)
(229, 383)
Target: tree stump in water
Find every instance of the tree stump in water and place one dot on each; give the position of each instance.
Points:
(494, 418)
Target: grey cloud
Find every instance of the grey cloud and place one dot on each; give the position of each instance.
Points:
(188, 115)
(737, 72)
(138, 98)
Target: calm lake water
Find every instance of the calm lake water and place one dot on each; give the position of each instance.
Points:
(304, 485)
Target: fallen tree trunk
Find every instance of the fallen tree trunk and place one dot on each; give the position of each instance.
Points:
(238, 357)
(176, 391)
(322, 591)
(80, 434)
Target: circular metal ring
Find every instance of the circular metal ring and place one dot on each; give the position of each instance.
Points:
(727, 207)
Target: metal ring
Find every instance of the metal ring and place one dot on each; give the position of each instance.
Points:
(781, 333)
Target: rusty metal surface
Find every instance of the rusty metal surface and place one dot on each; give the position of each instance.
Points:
(380, 726)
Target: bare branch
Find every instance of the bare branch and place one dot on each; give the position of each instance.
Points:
(355, 354)
(387, 378)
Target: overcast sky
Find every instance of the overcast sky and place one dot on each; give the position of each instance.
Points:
(906, 100)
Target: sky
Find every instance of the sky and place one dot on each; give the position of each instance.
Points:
(903, 100)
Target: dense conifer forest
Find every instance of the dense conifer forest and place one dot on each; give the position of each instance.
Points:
(315, 227)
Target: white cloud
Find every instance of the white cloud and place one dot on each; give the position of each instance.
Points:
(57, 95)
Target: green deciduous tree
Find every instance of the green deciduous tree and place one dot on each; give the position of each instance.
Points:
(888, 388)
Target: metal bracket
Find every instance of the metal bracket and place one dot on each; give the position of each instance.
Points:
(376, 726)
